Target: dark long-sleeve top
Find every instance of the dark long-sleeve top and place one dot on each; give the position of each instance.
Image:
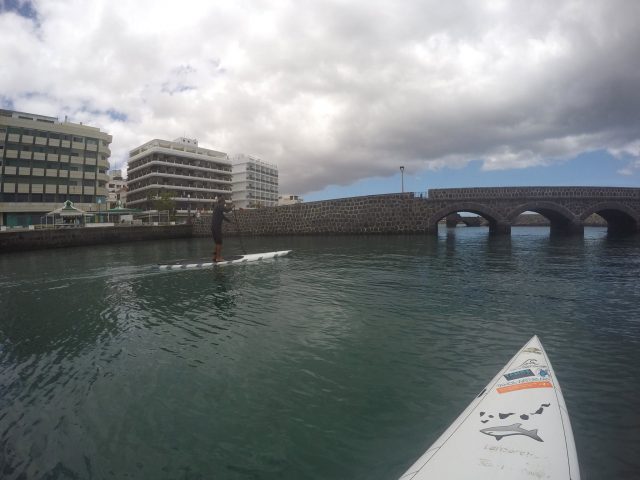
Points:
(218, 216)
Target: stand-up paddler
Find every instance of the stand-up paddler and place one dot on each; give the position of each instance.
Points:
(217, 218)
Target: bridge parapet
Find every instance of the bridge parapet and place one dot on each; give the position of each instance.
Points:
(505, 193)
(566, 208)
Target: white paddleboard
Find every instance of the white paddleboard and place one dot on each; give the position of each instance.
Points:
(516, 428)
(253, 257)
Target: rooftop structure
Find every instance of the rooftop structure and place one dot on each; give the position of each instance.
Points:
(289, 199)
(45, 162)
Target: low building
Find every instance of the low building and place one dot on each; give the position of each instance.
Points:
(255, 182)
(45, 162)
(117, 189)
(191, 176)
(289, 199)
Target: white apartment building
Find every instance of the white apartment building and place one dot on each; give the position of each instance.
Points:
(255, 182)
(117, 189)
(45, 162)
(192, 175)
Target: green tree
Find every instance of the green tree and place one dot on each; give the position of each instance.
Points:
(164, 201)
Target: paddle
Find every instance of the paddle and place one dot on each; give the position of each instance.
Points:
(238, 230)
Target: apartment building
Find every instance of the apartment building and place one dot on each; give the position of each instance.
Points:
(255, 182)
(192, 176)
(45, 162)
(117, 189)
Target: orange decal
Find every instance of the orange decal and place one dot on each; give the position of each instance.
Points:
(522, 386)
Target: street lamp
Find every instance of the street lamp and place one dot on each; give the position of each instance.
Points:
(99, 202)
(402, 176)
(189, 208)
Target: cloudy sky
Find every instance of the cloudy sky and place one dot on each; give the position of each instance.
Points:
(340, 93)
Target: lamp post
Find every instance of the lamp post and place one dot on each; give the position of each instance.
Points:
(402, 177)
(189, 208)
(99, 202)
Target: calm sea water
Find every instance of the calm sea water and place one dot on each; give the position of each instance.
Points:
(344, 360)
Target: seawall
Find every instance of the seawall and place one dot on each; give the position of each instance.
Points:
(24, 240)
(375, 214)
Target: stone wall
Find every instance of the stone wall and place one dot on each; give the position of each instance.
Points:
(73, 237)
(393, 213)
(566, 208)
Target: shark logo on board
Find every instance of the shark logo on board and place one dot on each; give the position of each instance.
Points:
(509, 430)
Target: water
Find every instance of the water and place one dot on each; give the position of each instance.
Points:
(344, 360)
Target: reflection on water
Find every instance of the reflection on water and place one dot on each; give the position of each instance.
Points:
(344, 360)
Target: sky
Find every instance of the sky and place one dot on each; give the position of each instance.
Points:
(340, 93)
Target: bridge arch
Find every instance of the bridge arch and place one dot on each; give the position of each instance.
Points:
(562, 220)
(497, 223)
(620, 218)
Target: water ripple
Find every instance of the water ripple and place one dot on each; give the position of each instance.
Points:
(344, 360)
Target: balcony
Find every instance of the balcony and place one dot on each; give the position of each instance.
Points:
(180, 163)
(179, 176)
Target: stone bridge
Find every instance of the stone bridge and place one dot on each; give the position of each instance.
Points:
(566, 208)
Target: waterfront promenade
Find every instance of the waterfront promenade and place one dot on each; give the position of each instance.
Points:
(566, 209)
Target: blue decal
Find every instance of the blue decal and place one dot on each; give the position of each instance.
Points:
(519, 374)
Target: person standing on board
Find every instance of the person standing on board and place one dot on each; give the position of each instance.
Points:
(217, 218)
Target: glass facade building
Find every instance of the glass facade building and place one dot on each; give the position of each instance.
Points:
(44, 162)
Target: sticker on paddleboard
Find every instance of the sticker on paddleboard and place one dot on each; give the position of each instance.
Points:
(537, 376)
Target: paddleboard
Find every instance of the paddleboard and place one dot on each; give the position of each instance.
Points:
(517, 427)
(253, 257)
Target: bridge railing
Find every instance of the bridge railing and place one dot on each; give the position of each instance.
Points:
(538, 192)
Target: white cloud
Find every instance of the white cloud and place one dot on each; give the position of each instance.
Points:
(337, 91)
